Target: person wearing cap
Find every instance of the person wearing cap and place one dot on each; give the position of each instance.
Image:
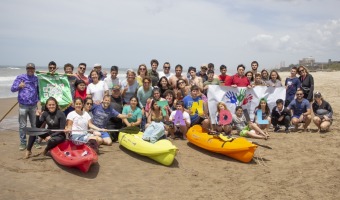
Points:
(117, 104)
(28, 96)
(102, 75)
(239, 79)
(203, 73)
(301, 111)
(113, 79)
(81, 73)
(323, 113)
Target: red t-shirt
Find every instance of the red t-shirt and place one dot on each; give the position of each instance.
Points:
(228, 80)
(240, 81)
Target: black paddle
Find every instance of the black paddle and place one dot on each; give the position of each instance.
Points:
(41, 131)
(262, 145)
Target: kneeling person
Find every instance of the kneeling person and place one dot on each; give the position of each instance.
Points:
(182, 127)
(280, 116)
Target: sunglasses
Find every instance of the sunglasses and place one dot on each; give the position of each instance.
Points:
(82, 68)
(142, 69)
(52, 67)
(89, 104)
(299, 94)
(302, 70)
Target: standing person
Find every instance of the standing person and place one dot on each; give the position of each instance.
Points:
(224, 78)
(323, 113)
(307, 83)
(101, 75)
(81, 120)
(27, 87)
(254, 65)
(143, 94)
(152, 73)
(211, 81)
(195, 117)
(265, 75)
(113, 79)
(101, 115)
(275, 79)
(280, 116)
(195, 80)
(97, 89)
(182, 128)
(81, 73)
(80, 89)
(68, 69)
(301, 111)
(141, 72)
(129, 86)
(292, 84)
(250, 76)
(203, 73)
(54, 119)
(239, 79)
(52, 67)
(178, 75)
(117, 104)
(166, 71)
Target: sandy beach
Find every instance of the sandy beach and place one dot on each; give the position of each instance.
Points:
(299, 166)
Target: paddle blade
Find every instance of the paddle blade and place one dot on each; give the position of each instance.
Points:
(130, 130)
(35, 131)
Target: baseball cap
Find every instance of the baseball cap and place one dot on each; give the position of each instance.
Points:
(116, 87)
(30, 65)
(97, 65)
(317, 95)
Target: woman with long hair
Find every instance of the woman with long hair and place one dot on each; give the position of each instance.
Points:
(54, 119)
(274, 79)
(97, 89)
(163, 85)
(307, 83)
(135, 111)
(263, 106)
(142, 72)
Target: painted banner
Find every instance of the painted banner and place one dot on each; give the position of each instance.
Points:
(56, 86)
(248, 98)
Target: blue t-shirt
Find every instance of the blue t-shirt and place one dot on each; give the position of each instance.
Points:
(136, 114)
(299, 107)
(188, 101)
(101, 116)
(292, 85)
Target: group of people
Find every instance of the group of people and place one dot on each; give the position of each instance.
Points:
(162, 103)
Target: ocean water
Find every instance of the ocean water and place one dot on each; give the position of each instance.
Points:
(9, 73)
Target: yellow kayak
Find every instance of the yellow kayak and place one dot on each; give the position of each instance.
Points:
(239, 148)
(162, 151)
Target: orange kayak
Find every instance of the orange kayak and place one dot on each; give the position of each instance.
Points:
(240, 148)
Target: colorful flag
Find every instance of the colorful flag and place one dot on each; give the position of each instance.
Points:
(56, 86)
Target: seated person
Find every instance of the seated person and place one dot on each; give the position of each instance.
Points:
(323, 113)
(263, 106)
(246, 129)
(226, 129)
(135, 113)
(280, 116)
(181, 128)
(301, 111)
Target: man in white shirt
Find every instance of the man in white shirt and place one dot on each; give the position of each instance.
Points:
(113, 79)
(166, 71)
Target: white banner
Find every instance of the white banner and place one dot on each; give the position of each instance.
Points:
(242, 96)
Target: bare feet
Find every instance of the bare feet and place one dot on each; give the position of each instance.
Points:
(28, 154)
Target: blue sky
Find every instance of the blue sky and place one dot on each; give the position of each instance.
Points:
(187, 32)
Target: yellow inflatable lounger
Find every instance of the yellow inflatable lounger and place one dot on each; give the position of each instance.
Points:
(240, 148)
(162, 151)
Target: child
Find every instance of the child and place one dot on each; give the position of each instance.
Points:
(263, 106)
(226, 128)
(240, 122)
(182, 128)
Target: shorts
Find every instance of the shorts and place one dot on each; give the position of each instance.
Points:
(244, 131)
(105, 134)
(79, 139)
(198, 121)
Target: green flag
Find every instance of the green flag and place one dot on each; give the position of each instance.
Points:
(56, 86)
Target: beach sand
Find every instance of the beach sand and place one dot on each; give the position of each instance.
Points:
(299, 166)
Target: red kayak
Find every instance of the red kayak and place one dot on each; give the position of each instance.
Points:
(71, 155)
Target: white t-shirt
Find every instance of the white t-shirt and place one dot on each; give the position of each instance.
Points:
(186, 116)
(97, 90)
(111, 82)
(80, 122)
(163, 74)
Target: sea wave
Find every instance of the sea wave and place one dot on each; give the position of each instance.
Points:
(7, 78)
